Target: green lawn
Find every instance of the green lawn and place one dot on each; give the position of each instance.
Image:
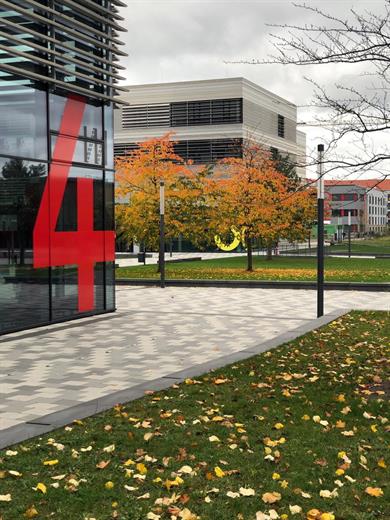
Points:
(280, 268)
(369, 246)
(303, 427)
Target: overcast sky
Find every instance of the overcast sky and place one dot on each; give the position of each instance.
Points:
(174, 40)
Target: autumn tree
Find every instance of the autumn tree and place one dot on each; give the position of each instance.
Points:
(187, 198)
(257, 200)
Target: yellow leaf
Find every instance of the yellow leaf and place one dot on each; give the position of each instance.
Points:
(340, 424)
(339, 472)
(374, 428)
(278, 426)
(283, 484)
(275, 476)
(41, 487)
(129, 462)
(327, 516)
(141, 468)
(306, 417)
(341, 398)
(50, 462)
(219, 472)
(214, 438)
(374, 492)
(31, 512)
(109, 485)
(109, 449)
(271, 498)
(382, 463)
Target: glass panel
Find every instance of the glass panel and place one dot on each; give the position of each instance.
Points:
(109, 135)
(22, 121)
(24, 291)
(80, 224)
(92, 125)
(87, 152)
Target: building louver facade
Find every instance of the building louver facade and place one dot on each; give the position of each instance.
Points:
(58, 87)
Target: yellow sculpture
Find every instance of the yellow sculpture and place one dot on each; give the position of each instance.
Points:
(239, 237)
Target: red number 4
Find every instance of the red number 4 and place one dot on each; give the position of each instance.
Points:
(85, 246)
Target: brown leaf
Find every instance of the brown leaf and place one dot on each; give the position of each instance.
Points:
(103, 464)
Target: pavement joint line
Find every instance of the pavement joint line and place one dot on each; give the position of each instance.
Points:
(27, 430)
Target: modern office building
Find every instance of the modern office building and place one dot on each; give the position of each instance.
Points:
(209, 119)
(365, 200)
(58, 77)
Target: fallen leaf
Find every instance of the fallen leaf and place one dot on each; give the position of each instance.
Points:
(6, 498)
(271, 498)
(41, 487)
(31, 512)
(247, 492)
(50, 462)
(374, 491)
(219, 472)
(232, 494)
(102, 464)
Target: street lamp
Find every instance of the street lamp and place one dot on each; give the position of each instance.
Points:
(349, 233)
(320, 233)
(161, 256)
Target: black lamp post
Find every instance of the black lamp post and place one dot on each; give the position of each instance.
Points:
(320, 233)
(161, 259)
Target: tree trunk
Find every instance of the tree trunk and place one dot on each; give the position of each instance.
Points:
(269, 252)
(249, 254)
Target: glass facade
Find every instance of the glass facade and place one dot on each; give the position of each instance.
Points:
(56, 163)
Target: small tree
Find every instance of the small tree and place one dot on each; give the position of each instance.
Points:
(187, 199)
(257, 200)
(138, 177)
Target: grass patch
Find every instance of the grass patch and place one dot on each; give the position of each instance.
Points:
(369, 246)
(306, 422)
(280, 268)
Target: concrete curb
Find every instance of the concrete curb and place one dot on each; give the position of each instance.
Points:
(259, 284)
(24, 431)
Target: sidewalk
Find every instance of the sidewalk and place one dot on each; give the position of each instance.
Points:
(154, 334)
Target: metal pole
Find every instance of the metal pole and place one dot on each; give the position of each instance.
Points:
(349, 234)
(320, 233)
(161, 256)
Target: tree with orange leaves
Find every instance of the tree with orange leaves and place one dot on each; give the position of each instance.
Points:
(138, 177)
(258, 201)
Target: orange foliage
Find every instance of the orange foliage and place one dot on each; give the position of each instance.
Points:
(138, 177)
(257, 198)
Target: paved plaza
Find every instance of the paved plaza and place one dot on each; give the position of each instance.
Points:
(155, 333)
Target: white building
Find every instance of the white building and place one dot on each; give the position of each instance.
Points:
(209, 119)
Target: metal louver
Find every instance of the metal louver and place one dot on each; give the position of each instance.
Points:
(70, 44)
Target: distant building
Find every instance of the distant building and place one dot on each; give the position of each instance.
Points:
(210, 119)
(365, 200)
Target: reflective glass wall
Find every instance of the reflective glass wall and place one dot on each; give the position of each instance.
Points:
(56, 204)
